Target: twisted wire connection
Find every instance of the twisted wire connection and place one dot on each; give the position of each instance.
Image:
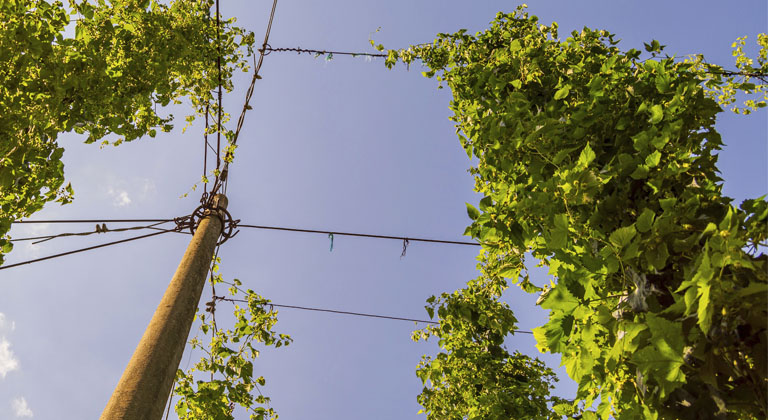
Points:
(222, 178)
(300, 50)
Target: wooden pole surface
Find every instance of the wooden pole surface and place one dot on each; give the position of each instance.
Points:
(143, 389)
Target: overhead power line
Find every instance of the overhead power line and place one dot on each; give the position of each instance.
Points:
(758, 75)
(102, 229)
(335, 311)
(300, 50)
(93, 221)
(3, 267)
(222, 179)
(279, 228)
(99, 229)
(361, 235)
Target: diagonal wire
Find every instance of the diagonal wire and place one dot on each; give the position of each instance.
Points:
(86, 249)
(305, 308)
(104, 229)
(218, 67)
(334, 311)
(248, 95)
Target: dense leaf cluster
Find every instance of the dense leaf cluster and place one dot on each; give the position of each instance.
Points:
(475, 376)
(602, 166)
(126, 58)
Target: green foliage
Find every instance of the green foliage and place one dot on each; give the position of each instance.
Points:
(126, 58)
(224, 377)
(602, 165)
(475, 377)
(725, 85)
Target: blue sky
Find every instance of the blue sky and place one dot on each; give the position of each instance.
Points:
(333, 145)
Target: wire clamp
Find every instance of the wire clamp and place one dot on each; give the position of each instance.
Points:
(210, 208)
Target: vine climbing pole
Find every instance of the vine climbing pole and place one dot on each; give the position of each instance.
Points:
(146, 383)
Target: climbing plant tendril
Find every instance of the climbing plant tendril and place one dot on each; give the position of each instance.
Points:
(224, 377)
(602, 166)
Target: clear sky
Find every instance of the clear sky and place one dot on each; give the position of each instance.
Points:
(333, 145)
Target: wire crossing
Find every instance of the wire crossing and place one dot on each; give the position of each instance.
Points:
(222, 179)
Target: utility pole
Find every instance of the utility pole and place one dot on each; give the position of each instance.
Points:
(143, 389)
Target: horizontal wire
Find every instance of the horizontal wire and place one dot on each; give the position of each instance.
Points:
(305, 308)
(335, 311)
(85, 249)
(361, 235)
(406, 240)
(93, 221)
(98, 230)
(300, 50)
(758, 75)
(279, 228)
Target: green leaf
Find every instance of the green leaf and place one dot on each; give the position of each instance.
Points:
(667, 204)
(562, 92)
(623, 236)
(663, 358)
(560, 298)
(645, 220)
(586, 157)
(753, 288)
(641, 172)
(657, 114)
(559, 235)
(705, 310)
(657, 256)
(472, 212)
(663, 82)
(653, 159)
(551, 336)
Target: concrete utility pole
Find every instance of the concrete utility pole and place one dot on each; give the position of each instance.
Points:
(143, 389)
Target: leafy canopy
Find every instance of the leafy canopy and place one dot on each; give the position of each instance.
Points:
(126, 58)
(602, 166)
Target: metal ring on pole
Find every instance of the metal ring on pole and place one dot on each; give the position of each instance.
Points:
(228, 224)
